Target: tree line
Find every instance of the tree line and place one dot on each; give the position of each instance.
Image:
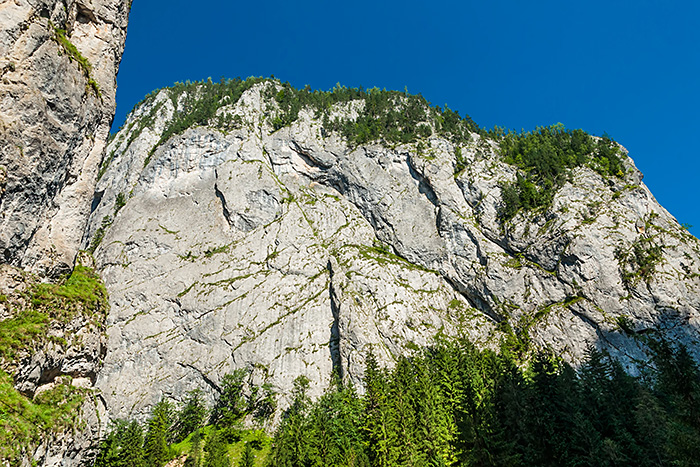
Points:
(451, 404)
(205, 435)
(455, 405)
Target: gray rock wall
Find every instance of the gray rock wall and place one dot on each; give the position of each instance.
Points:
(289, 252)
(58, 64)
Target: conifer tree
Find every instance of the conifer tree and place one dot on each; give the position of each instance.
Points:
(335, 437)
(132, 453)
(402, 417)
(191, 415)
(248, 458)
(194, 459)
(291, 440)
(157, 452)
(109, 446)
(230, 406)
(123, 446)
(376, 418)
(217, 452)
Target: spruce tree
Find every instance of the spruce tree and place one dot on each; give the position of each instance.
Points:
(194, 459)
(230, 405)
(248, 459)
(436, 425)
(191, 416)
(217, 451)
(290, 447)
(403, 417)
(131, 451)
(157, 452)
(376, 413)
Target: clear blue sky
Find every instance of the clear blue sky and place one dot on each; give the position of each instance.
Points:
(629, 68)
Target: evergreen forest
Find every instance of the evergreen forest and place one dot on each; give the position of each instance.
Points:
(448, 405)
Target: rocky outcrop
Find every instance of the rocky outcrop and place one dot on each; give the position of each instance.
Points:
(292, 251)
(52, 347)
(74, 447)
(58, 64)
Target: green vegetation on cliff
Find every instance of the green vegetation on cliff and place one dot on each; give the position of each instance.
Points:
(197, 103)
(27, 421)
(33, 311)
(60, 36)
(391, 116)
(545, 158)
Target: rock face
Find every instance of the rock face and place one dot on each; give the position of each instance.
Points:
(292, 252)
(59, 362)
(58, 64)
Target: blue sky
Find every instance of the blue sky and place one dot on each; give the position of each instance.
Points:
(628, 68)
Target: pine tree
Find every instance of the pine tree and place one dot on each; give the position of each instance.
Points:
(403, 417)
(436, 426)
(508, 428)
(262, 401)
(248, 459)
(122, 447)
(194, 459)
(108, 448)
(217, 452)
(191, 416)
(157, 452)
(376, 413)
(678, 388)
(131, 450)
(290, 446)
(334, 436)
(230, 406)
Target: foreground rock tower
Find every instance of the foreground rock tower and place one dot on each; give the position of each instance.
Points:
(58, 63)
(58, 66)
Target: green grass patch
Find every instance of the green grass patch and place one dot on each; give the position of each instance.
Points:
(25, 422)
(21, 331)
(80, 293)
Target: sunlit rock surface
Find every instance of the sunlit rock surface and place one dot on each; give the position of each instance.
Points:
(291, 253)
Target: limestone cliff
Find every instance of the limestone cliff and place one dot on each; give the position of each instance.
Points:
(58, 66)
(262, 237)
